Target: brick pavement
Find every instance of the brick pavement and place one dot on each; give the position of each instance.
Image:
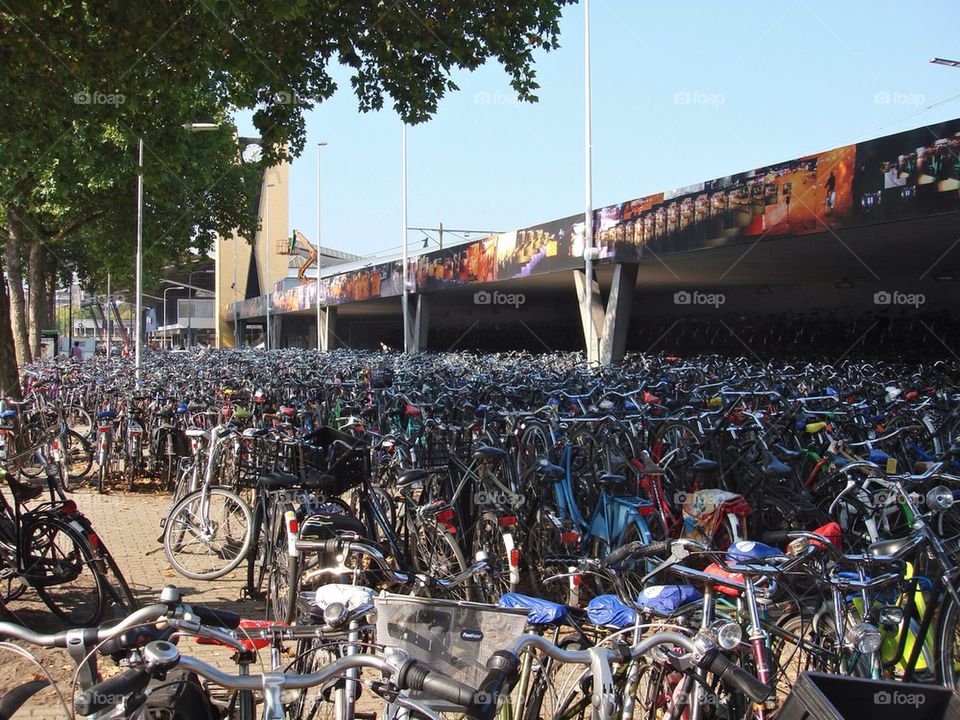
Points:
(129, 525)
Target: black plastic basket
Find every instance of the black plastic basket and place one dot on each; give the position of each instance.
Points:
(343, 456)
(819, 696)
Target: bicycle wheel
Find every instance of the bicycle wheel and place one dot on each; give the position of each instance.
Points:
(208, 545)
(61, 566)
(77, 454)
(948, 646)
(488, 536)
(283, 579)
(317, 702)
(258, 559)
(437, 552)
(79, 421)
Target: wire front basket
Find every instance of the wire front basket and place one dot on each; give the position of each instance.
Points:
(453, 637)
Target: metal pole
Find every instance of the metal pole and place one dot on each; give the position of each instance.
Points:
(70, 315)
(236, 296)
(164, 347)
(138, 329)
(106, 318)
(319, 246)
(588, 186)
(405, 301)
(266, 239)
(190, 309)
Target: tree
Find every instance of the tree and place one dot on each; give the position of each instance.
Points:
(83, 81)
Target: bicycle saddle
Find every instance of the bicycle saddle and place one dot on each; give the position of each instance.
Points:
(485, 452)
(609, 480)
(787, 454)
(106, 415)
(554, 472)
(894, 546)
(772, 467)
(325, 526)
(409, 477)
(24, 491)
(702, 465)
(9, 413)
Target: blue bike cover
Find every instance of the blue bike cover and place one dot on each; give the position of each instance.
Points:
(878, 457)
(665, 599)
(746, 551)
(610, 610)
(539, 612)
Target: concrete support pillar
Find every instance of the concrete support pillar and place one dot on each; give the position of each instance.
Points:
(610, 324)
(276, 330)
(419, 309)
(595, 305)
(613, 344)
(328, 328)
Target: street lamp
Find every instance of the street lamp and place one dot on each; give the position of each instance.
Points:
(588, 252)
(138, 330)
(404, 299)
(266, 237)
(206, 271)
(165, 331)
(944, 61)
(319, 255)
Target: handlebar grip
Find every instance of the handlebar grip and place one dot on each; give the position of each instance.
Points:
(561, 561)
(621, 553)
(216, 618)
(735, 677)
(111, 692)
(777, 537)
(660, 547)
(503, 672)
(416, 676)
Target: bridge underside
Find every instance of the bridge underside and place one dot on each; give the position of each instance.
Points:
(880, 289)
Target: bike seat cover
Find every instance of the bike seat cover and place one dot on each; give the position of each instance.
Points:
(611, 610)
(879, 457)
(666, 599)
(106, 415)
(8, 413)
(609, 480)
(554, 472)
(774, 468)
(326, 526)
(350, 596)
(722, 573)
(746, 551)
(539, 611)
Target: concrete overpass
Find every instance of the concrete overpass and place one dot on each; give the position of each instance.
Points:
(866, 230)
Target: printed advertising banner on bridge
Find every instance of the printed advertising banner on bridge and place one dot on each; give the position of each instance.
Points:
(902, 176)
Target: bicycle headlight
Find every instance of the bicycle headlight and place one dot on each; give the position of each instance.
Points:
(940, 498)
(864, 638)
(728, 634)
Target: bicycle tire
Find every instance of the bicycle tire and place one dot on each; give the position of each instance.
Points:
(58, 573)
(77, 454)
(183, 521)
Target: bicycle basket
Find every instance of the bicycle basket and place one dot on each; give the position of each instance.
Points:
(453, 637)
(343, 456)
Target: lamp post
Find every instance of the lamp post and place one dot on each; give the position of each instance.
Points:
(206, 271)
(319, 255)
(588, 251)
(266, 239)
(945, 61)
(404, 299)
(165, 331)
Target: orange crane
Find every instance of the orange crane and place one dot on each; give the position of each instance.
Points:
(298, 244)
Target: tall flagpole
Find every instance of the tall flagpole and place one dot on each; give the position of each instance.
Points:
(588, 188)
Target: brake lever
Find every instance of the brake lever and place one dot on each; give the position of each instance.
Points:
(678, 552)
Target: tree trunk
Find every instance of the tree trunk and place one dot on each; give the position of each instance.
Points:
(9, 376)
(38, 281)
(11, 255)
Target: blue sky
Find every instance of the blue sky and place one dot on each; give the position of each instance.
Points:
(683, 91)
